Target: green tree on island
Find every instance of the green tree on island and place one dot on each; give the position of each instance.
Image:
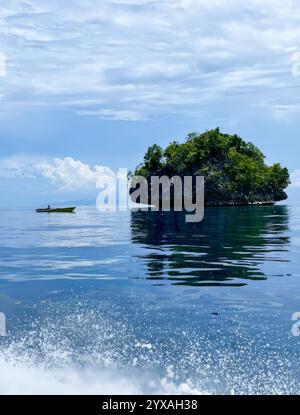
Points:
(234, 170)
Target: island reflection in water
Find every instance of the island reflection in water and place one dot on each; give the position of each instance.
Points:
(228, 248)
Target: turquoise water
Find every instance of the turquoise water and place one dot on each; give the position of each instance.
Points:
(124, 302)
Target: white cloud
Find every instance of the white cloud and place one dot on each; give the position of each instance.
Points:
(136, 59)
(66, 174)
(70, 174)
(114, 114)
(18, 166)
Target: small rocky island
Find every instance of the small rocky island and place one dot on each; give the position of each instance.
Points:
(234, 170)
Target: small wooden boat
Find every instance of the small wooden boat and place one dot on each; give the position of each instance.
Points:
(56, 210)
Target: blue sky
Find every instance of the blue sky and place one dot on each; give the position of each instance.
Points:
(96, 82)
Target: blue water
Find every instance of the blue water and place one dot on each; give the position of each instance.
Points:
(141, 302)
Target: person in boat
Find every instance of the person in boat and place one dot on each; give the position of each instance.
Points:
(49, 207)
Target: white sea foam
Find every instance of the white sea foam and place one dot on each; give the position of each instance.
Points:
(23, 378)
(26, 374)
(84, 353)
(93, 352)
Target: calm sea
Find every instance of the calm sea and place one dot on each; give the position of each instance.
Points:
(141, 302)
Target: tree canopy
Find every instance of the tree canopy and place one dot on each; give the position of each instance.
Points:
(235, 170)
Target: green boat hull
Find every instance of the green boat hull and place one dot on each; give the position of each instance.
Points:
(57, 210)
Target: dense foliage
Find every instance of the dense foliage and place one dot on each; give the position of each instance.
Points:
(234, 170)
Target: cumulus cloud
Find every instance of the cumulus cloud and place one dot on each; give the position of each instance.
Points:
(136, 59)
(70, 174)
(66, 173)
